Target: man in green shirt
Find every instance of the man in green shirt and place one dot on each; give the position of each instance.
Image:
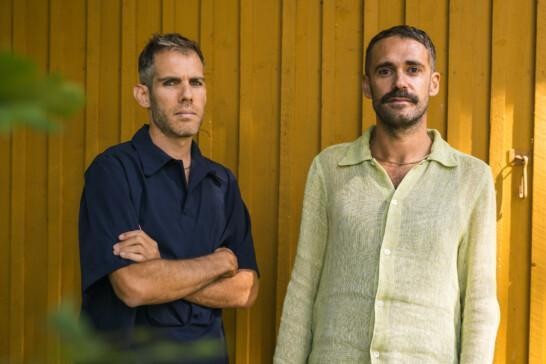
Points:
(396, 255)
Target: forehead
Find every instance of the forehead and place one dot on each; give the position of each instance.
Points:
(399, 50)
(177, 63)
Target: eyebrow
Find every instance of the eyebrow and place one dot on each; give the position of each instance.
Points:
(415, 63)
(407, 63)
(161, 79)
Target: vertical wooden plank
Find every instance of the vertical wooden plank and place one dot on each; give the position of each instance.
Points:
(378, 15)
(469, 34)
(498, 161)
(17, 211)
(68, 25)
(17, 251)
(54, 199)
(258, 165)
(168, 21)
(391, 13)
(520, 84)
(246, 162)
(6, 8)
(108, 99)
(327, 111)
(300, 116)
(140, 20)
(5, 231)
(218, 26)
(370, 28)
(223, 67)
(148, 22)
(6, 24)
(35, 309)
(129, 67)
(92, 80)
(285, 248)
(188, 10)
(433, 18)
(341, 71)
(206, 41)
(537, 329)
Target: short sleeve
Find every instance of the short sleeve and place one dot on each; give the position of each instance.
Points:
(106, 210)
(239, 230)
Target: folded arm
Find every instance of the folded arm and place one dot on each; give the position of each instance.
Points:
(212, 280)
(155, 280)
(239, 291)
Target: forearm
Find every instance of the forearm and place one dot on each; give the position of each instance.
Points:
(239, 291)
(160, 280)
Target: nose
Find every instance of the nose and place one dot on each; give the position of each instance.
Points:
(186, 92)
(400, 81)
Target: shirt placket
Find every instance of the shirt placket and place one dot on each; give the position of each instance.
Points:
(387, 261)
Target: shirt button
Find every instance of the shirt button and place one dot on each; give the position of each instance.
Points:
(387, 251)
(375, 354)
(394, 202)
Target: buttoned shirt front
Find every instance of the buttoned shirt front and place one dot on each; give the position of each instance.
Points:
(393, 275)
(135, 185)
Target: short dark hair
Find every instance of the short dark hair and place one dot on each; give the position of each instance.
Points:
(403, 31)
(159, 43)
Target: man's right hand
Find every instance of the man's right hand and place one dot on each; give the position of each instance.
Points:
(137, 246)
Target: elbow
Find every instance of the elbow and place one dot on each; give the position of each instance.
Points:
(127, 290)
(250, 293)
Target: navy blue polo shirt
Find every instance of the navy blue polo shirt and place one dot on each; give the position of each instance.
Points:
(136, 185)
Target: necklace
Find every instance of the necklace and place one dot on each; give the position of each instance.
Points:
(403, 163)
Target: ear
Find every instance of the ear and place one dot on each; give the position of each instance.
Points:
(434, 84)
(366, 90)
(142, 95)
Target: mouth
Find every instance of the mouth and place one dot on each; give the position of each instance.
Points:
(185, 114)
(399, 100)
(399, 97)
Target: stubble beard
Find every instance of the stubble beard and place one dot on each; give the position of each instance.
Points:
(160, 119)
(397, 120)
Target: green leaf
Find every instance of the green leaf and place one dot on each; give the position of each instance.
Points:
(30, 99)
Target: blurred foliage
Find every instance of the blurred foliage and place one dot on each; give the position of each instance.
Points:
(31, 99)
(81, 344)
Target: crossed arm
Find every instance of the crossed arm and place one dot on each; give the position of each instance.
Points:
(213, 280)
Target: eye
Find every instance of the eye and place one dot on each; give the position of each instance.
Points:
(170, 82)
(413, 69)
(197, 82)
(383, 71)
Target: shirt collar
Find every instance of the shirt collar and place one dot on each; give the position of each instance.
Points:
(359, 150)
(154, 158)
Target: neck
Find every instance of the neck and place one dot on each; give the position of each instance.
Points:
(400, 148)
(176, 147)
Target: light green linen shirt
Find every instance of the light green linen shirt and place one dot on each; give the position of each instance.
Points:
(385, 275)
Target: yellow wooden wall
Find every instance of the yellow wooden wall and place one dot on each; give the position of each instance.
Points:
(283, 82)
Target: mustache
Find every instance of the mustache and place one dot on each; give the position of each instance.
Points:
(398, 93)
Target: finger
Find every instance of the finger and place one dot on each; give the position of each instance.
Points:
(133, 248)
(139, 238)
(135, 257)
(146, 251)
(126, 243)
(130, 234)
